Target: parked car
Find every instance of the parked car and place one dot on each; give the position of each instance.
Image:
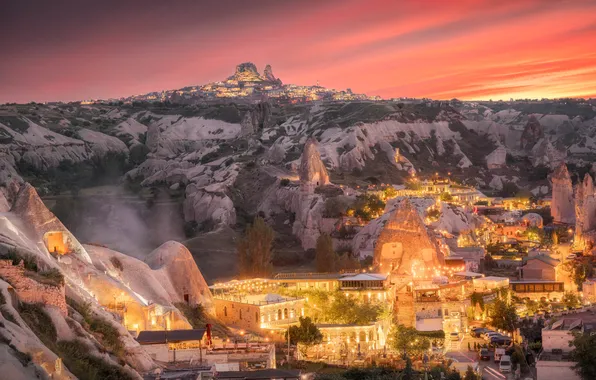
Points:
(500, 340)
(505, 364)
(483, 335)
(476, 332)
(484, 354)
(454, 336)
(490, 335)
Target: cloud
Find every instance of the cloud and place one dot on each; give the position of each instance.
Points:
(74, 50)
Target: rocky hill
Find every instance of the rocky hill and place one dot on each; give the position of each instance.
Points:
(220, 164)
(60, 299)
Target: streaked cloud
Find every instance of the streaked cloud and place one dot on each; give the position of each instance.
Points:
(472, 49)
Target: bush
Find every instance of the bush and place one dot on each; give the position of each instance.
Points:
(16, 257)
(109, 335)
(82, 364)
(52, 276)
(117, 263)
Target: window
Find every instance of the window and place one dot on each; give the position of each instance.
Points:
(256, 316)
(225, 311)
(549, 287)
(240, 311)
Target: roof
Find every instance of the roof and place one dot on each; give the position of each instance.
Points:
(340, 325)
(163, 336)
(536, 282)
(264, 374)
(491, 278)
(307, 276)
(469, 274)
(365, 277)
(544, 258)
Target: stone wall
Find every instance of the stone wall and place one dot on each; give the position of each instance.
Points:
(31, 291)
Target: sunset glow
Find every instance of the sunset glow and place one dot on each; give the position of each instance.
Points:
(472, 49)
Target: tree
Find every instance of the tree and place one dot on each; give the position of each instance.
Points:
(445, 197)
(408, 372)
(305, 335)
(470, 374)
(503, 316)
(325, 257)
(571, 300)
(409, 341)
(254, 249)
(584, 354)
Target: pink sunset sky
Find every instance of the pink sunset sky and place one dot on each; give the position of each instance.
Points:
(470, 49)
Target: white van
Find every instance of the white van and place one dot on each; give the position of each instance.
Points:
(505, 364)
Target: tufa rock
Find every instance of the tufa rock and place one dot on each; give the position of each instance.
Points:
(312, 172)
(404, 245)
(562, 205)
(246, 72)
(178, 273)
(268, 74)
(34, 213)
(533, 132)
(497, 158)
(585, 211)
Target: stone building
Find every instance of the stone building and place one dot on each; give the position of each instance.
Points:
(540, 267)
(562, 204)
(258, 312)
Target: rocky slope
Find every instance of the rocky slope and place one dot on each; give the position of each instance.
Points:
(84, 274)
(227, 160)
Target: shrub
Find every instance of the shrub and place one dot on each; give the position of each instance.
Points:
(39, 322)
(117, 263)
(16, 257)
(52, 276)
(109, 335)
(82, 364)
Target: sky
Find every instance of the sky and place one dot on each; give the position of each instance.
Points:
(468, 49)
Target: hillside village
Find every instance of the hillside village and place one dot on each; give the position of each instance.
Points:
(292, 229)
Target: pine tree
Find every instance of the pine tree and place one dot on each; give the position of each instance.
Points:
(325, 258)
(254, 249)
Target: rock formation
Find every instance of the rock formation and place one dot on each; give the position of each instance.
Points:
(404, 245)
(246, 72)
(497, 158)
(585, 211)
(532, 133)
(312, 172)
(268, 74)
(177, 271)
(46, 228)
(562, 206)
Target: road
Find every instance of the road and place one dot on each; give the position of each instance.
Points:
(458, 352)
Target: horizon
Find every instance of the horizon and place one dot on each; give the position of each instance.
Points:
(472, 50)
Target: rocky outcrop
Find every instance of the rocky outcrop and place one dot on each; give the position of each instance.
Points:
(201, 205)
(497, 159)
(41, 221)
(532, 133)
(545, 154)
(177, 271)
(562, 205)
(405, 246)
(312, 172)
(585, 211)
(268, 74)
(256, 119)
(246, 72)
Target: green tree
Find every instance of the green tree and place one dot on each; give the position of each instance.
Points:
(325, 257)
(571, 300)
(584, 354)
(408, 372)
(407, 340)
(470, 374)
(503, 315)
(305, 335)
(445, 197)
(254, 249)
